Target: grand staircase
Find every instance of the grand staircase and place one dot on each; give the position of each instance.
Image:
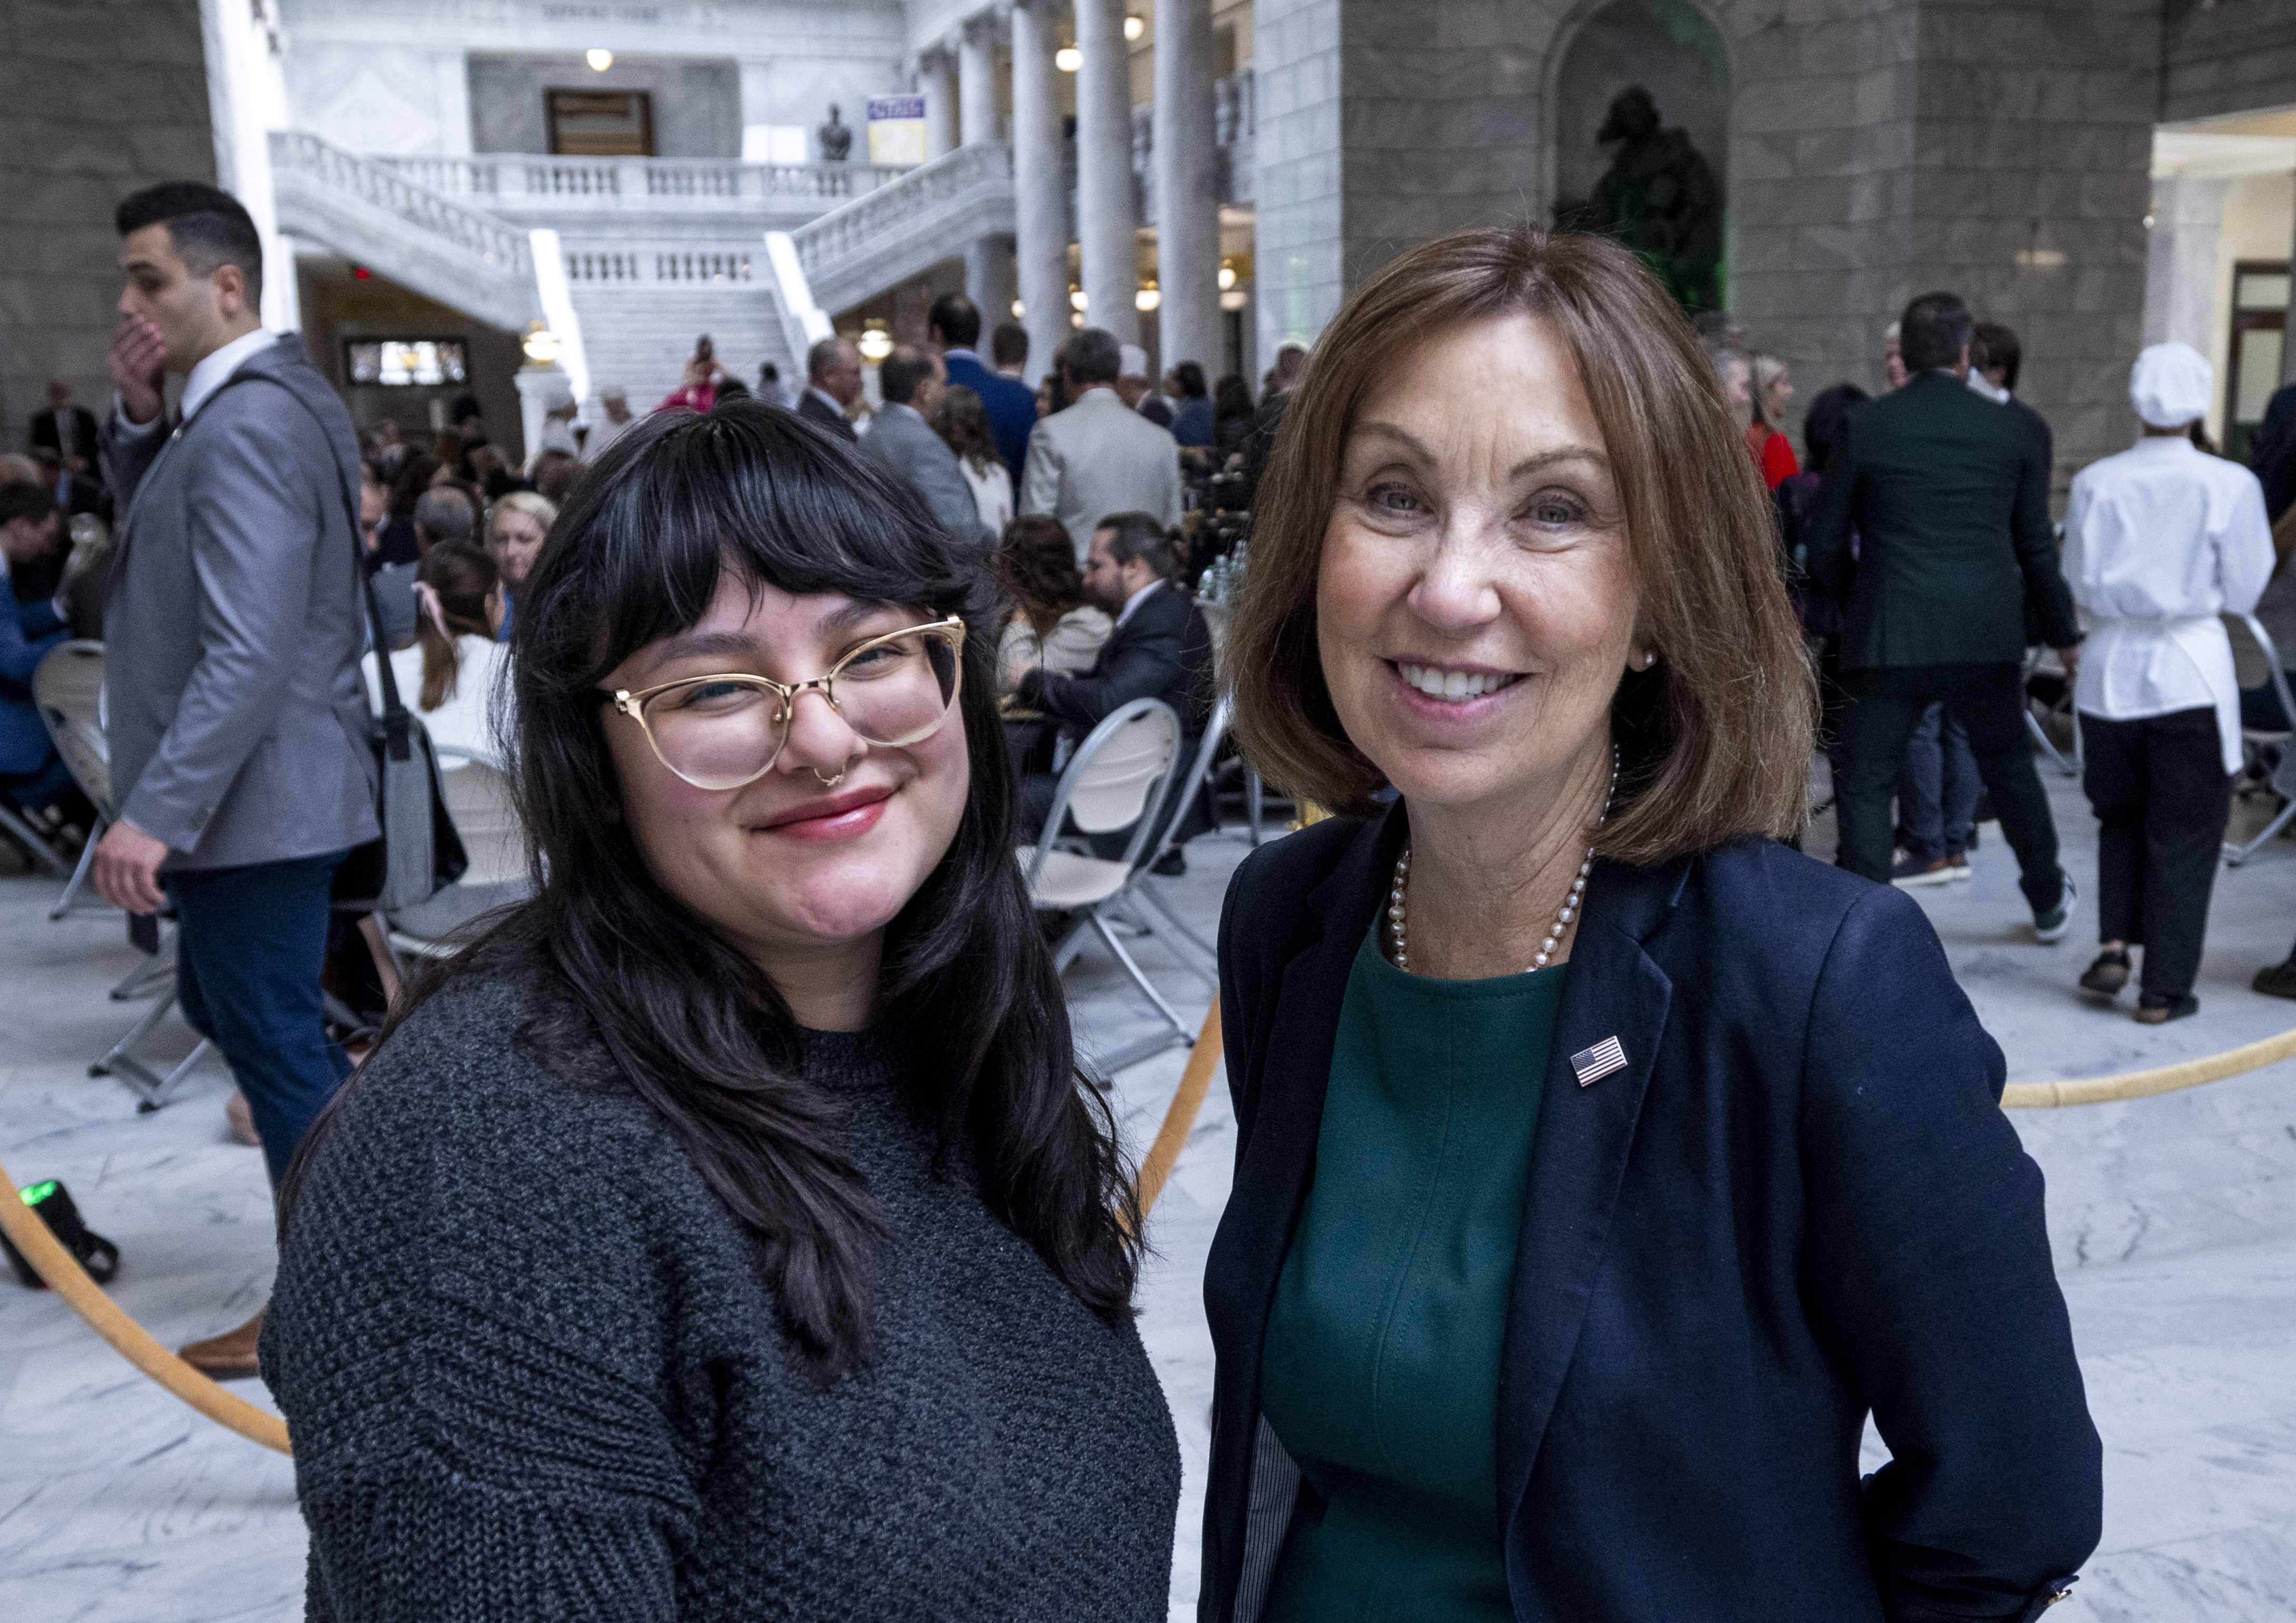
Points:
(654, 252)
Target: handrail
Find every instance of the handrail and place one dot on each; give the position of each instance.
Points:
(820, 242)
(511, 177)
(377, 182)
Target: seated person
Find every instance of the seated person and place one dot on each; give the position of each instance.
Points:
(31, 533)
(1054, 626)
(446, 675)
(1160, 649)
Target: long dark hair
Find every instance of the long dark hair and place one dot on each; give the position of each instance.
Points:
(961, 419)
(462, 575)
(1232, 397)
(1035, 561)
(695, 1028)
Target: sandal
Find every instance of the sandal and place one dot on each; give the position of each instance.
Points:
(2107, 975)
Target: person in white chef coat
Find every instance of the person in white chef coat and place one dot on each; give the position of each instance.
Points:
(2159, 540)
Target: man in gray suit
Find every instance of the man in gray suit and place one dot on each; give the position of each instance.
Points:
(902, 442)
(1099, 456)
(238, 730)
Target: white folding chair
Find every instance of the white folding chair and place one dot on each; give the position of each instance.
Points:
(1119, 778)
(1142, 882)
(2069, 764)
(2255, 663)
(68, 687)
(478, 801)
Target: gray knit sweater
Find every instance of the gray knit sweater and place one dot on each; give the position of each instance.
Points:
(532, 1373)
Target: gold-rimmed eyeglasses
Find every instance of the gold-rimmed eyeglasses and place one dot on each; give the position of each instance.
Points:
(723, 731)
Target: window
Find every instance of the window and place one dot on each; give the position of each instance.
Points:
(600, 123)
(405, 363)
(2259, 321)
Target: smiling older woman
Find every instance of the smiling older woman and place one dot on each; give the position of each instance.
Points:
(1603, 1164)
(731, 1234)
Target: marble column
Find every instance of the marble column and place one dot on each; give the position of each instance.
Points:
(976, 81)
(2288, 330)
(1187, 186)
(936, 77)
(1040, 185)
(988, 282)
(1107, 228)
(2180, 260)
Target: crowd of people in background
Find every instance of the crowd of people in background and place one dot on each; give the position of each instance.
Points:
(1915, 539)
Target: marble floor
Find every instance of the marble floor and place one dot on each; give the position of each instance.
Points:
(2173, 1220)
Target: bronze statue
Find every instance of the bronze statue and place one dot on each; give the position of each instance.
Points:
(1659, 198)
(836, 138)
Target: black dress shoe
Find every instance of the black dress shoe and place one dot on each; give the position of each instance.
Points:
(1172, 865)
(2278, 979)
(2158, 1009)
(2107, 975)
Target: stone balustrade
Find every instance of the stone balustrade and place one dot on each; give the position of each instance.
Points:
(519, 182)
(897, 231)
(298, 155)
(682, 266)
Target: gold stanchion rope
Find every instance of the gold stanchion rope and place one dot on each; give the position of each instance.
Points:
(129, 1339)
(132, 1341)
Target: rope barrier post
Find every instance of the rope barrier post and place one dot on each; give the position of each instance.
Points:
(1180, 1117)
(130, 1340)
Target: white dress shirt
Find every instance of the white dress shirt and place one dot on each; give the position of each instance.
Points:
(2159, 541)
(207, 376)
(1137, 599)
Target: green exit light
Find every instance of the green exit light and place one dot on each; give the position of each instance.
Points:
(35, 1193)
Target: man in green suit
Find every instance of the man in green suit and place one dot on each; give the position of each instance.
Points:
(1948, 499)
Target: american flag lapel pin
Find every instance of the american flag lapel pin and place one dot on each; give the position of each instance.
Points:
(1592, 1064)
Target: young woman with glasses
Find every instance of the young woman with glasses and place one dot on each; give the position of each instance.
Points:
(727, 1232)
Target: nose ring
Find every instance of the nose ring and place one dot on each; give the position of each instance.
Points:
(829, 783)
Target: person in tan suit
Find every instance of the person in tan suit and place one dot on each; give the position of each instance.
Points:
(1099, 456)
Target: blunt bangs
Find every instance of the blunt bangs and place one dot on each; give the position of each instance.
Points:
(682, 497)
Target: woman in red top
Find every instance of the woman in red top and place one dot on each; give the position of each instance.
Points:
(1773, 452)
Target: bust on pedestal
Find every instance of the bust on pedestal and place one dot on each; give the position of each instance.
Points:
(835, 136)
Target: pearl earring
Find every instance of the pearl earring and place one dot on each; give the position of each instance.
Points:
(1649, 657)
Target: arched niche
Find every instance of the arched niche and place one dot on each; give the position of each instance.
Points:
(1671, 48)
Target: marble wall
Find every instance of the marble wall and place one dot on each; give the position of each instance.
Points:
(697, 106)
(1876, 149)
(95, 101)
(395, 76)
(2226, 57)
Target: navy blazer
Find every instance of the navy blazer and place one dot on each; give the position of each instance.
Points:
(1012, 407)
(1799, 1201)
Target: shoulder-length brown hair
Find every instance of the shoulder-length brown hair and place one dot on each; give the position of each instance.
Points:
(1715, 738)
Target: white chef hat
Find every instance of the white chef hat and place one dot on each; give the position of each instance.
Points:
(1132, 361)
(2170, 384)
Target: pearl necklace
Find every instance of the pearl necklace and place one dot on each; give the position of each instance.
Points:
(1569, 910)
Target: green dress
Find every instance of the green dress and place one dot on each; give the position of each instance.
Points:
(1381, 1371)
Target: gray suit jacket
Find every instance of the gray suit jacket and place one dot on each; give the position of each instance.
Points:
(238, 720)
(1098, 457)
(903, 443)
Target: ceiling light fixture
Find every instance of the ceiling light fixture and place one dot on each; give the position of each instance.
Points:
(1068, 59)
(1133, 28)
